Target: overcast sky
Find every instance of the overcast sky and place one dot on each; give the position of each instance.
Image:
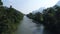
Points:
(27, 6)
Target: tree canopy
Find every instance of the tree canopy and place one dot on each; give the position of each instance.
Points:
(50, 18)
(9, 19)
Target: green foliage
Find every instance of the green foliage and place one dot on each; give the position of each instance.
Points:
(9, 20)
(37, 17)
(1, 3)
(50, 18)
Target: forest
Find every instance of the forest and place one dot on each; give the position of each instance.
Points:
(50, 18)
(9, 19)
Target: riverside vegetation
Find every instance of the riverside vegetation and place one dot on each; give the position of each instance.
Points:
(50, 18)
(9, 19)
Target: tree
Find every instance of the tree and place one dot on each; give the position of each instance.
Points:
(1, 2)
(9, 19)
(50, 18)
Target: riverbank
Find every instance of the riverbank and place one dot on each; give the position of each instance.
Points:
(50, 18)
(27, 26)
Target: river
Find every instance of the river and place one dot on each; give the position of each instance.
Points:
(27, 26)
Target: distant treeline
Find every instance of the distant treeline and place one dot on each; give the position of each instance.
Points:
(9, 19)
(50, 18)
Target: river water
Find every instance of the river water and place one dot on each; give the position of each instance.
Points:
(27, 26)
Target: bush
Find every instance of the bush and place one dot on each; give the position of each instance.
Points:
(50, 18)
(9, 19)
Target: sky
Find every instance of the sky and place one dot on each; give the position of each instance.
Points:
(27, 6)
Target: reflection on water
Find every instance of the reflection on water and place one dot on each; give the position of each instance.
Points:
(29, 27)
(39, 29)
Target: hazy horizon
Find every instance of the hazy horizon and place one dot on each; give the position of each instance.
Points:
(27, 6)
